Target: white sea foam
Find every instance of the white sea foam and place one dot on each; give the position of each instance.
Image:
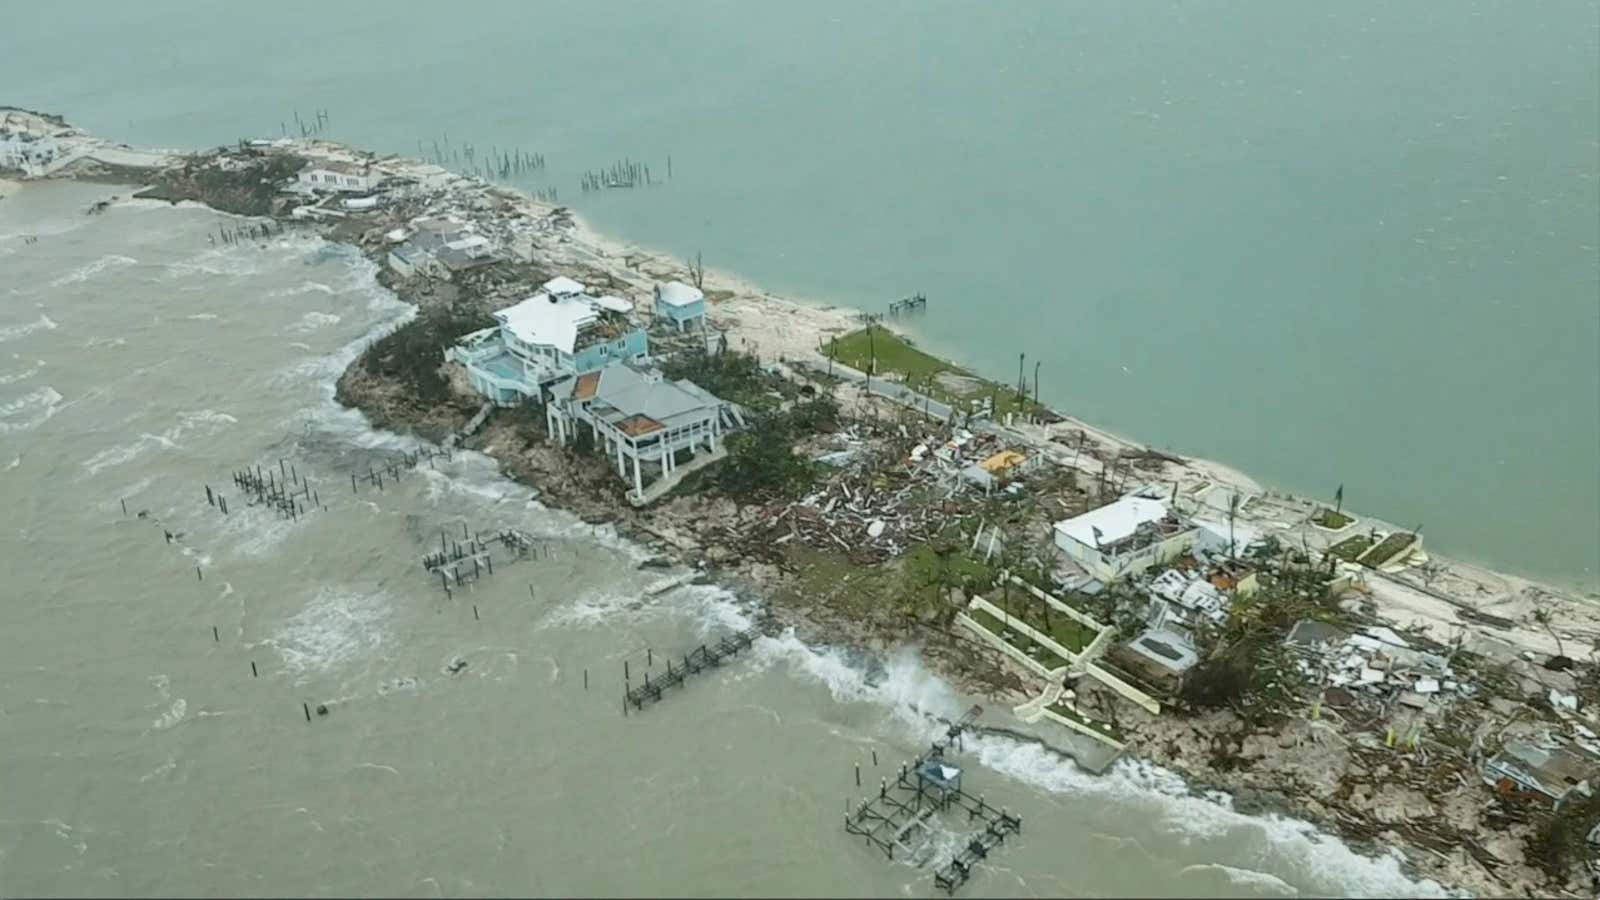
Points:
(172, 716)
(1255, 881)
(304, 287)
(14, 377)
(12, 332)
(90, 270)
(311, 321)
(197, 423)
(337, 626)
(203, 317)
(93, 342)
(224, 261)
(30, 410)
(159, 771)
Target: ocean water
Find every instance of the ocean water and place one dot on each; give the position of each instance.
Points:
(1353, 243)
(142, 757)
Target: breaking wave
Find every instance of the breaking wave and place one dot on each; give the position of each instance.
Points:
(14, 377)
(311, 321)
(30, 410)
(90, 270)
(202, 423)
(337, 626)
(304, 287)
(12, 332)
(913, 694)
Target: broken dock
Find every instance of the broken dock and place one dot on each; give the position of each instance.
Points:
(705, 656)
(901, 817)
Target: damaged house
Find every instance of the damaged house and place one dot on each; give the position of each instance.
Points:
(439, 248)
(1551, 770)
(340, 177)
(1125, 537)
(557, 333)
(648, 423)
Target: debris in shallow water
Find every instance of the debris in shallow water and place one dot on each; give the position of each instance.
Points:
(456, 667)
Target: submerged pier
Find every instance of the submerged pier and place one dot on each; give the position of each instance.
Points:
(901, 817)
(694, 662)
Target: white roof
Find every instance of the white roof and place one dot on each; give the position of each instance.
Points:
(546, 320)
(561, 284)
(1115, 520)
(676, 293)
(615, 304)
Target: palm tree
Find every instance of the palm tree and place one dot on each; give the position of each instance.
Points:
(1233, 512)
(1542, 616)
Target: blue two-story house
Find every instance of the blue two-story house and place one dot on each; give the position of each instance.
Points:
(680, 304)
(557, 333)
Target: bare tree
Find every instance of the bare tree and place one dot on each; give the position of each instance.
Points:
(697, 270)
(1429, 572)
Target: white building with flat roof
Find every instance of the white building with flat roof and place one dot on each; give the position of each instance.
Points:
(340, 176)
(1125, 537)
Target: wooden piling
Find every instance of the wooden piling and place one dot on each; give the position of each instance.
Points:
(307, 707)
(858, 774)
(214, 635)
(197, 575)
(124, 507)
(475, 613)
(253, 672)
(586, 679)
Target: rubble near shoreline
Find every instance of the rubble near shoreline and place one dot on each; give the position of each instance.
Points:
(1381, 722)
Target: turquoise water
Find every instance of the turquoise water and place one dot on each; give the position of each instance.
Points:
(1326, 243)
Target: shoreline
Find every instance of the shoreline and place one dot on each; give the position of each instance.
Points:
(783, 329)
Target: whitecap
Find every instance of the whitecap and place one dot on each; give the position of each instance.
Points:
(12, 332)
(172, 716)
(195, 423)
(311, 321)
(14, 377)
(30, 410)
(85, 272)
(338, 625)
(1256, 882)
(304, 287)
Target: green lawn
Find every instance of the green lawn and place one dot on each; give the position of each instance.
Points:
(1351, 547)
(1067, 631)
(1044, 655)
(1329, 519)
(1386, 550)
(896, 355)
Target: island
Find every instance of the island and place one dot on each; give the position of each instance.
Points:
(1297, 655)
